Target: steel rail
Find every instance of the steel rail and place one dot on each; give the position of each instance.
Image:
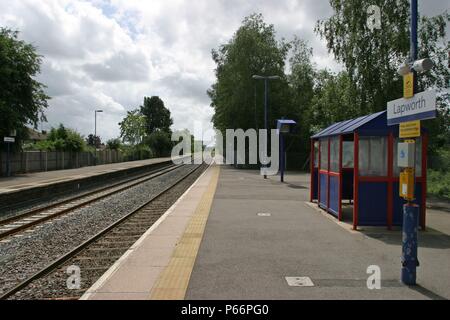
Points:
(64, 258)
(139, 180)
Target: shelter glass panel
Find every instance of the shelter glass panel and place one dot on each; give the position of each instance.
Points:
(316, 154)
(373, 155)
(348, 151)
(324, 154)
(334, 154)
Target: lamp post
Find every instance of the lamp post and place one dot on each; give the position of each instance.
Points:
(284, 126)
(95, 136)
(266, 89)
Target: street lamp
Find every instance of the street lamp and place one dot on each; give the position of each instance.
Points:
(266, 87)
(95, 135)
(422, 65)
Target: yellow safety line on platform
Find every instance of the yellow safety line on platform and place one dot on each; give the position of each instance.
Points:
(174, 280)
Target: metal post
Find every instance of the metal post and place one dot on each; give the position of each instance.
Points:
(266, 84)
(410, 210)
(95, 130)
(95, 138)
(266, 115)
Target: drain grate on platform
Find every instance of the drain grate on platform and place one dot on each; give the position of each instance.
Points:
(299, 282)
(264, 214)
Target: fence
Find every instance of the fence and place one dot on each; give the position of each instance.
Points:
(38, 161)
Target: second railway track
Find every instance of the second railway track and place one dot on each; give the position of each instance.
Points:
(21, 222)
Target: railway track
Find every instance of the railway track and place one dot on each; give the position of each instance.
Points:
(35, 217)
(94, 257)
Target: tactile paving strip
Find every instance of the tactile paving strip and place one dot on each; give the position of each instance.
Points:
(174, 280)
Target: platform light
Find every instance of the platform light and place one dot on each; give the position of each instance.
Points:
(423, 65)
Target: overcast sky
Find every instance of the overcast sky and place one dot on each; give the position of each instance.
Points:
(109, 54)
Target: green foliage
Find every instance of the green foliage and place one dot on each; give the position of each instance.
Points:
(132, 128)
(438, 183)
(334, 99)
(136, 152)
(317, 98)
(94, 141)
(114, 144)
(148, 129)
(371, 57)
(61, 139)
(160, 143)
(441, 160)
(238, 99)
(74, 142)
(157, 116)
(45, 145)
(22, 98)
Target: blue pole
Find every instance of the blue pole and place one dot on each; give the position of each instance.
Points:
(410, 210)
(414, 20)
(409, 244)
(414, 46)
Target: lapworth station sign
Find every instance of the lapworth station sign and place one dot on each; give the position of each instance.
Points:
(419, 107)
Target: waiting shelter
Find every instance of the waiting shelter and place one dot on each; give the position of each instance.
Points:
(371, 179)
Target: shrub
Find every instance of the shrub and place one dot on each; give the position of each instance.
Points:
(438, 183)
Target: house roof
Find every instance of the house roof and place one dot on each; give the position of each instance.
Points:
(36, 135)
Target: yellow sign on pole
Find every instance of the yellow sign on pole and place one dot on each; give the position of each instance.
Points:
(410, 129)
(408, 85)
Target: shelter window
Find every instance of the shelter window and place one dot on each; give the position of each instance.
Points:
(316, 154)
(348, 151)
(324, 154)
(373, 156)
(418, 157)
(334, 154)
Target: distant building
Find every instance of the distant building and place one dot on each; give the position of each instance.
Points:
(35, 136)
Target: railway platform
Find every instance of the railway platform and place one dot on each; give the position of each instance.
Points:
(36, 186)
(31, 180)
(234, 235)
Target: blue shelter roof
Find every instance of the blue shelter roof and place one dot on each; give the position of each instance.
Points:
(347, 126)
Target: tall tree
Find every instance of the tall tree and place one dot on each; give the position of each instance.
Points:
(238, 99)
(157, 115)
(302, 84)
(22, 98)
(371, 56)
(114, 144)
(94, 141)
(132, 128)
(160, 143)
(334, 99)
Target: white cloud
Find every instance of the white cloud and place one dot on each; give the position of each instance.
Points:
(109, 54)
